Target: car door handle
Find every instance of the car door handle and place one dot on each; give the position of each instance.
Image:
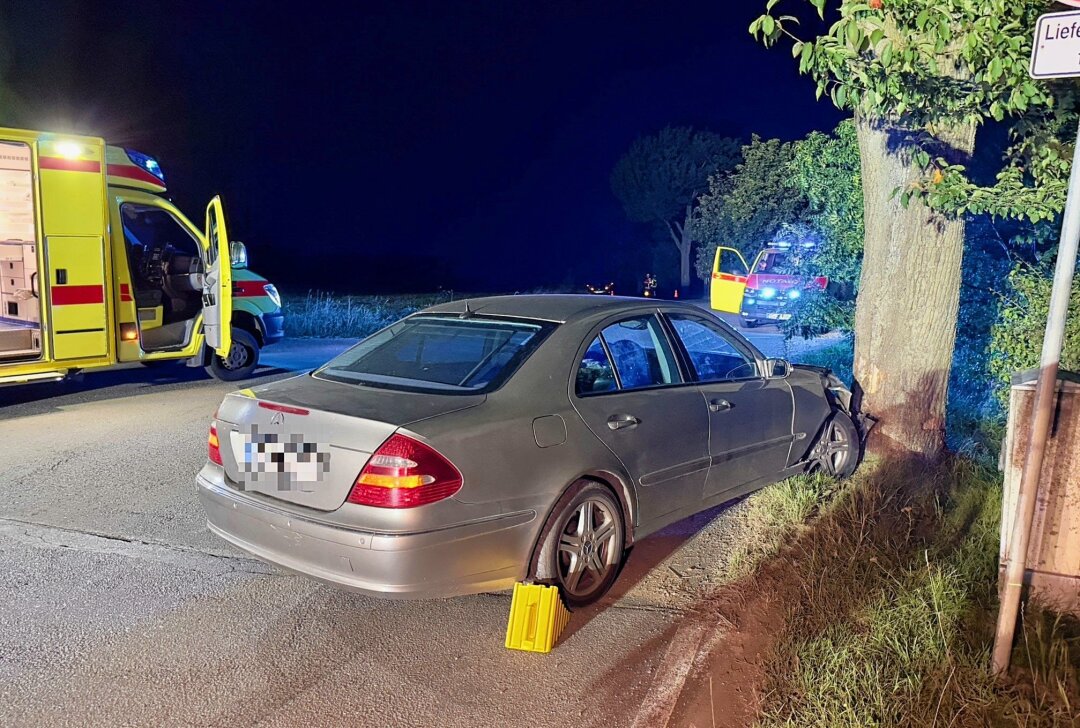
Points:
(719, 405)
(621, 422)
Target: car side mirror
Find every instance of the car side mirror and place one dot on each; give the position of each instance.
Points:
(777, 368)
(238, 254)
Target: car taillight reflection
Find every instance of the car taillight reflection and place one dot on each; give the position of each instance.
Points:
(405, 473)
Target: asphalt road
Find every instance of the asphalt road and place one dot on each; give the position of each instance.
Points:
(118, 607)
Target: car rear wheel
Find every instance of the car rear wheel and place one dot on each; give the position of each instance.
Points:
(583, 544)
(836, 452)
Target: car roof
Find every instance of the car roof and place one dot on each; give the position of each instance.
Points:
(555, 307)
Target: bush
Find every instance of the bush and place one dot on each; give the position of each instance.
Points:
(1017, 336)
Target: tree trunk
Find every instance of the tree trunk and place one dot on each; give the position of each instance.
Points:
(684, 252)
(905, 318)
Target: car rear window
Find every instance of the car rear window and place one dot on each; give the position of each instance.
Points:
(439, 353)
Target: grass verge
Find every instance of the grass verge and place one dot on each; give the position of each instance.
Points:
(891, 598)
(325, 315)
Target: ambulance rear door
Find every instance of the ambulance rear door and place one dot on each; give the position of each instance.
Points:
(73, 214)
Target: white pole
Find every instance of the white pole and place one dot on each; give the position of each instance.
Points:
(1041, 417)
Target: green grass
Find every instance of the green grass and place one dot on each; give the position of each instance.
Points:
(773, 516)
(892, 606)
(324, 315)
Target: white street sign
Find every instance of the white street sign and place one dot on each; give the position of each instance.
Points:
(1056, 51)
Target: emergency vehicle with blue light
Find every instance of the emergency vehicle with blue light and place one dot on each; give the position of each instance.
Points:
(98, 268)
(764, 292)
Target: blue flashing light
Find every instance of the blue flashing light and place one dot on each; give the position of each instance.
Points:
(767, 293)
(146, 162)
(793, 293)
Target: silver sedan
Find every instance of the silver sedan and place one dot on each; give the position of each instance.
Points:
(482, 442)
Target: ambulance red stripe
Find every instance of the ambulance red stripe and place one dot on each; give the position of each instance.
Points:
(249, 289)
(75, 295)
(69, 165)
(136, 173)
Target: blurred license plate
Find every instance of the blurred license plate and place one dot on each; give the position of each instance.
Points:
(286, 462)
(778, 316)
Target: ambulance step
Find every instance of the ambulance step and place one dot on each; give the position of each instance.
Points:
(55, 376)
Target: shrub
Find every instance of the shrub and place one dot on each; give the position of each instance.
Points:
(1017, 336)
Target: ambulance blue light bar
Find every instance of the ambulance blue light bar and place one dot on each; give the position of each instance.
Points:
(145, 161)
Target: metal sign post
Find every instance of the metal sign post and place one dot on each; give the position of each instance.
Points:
(1055, 54)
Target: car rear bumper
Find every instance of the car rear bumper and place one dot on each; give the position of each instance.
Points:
(484, 555)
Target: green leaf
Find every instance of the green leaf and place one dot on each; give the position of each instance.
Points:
(770, 5)
(820, 5)
(920, 21)
(768, 25)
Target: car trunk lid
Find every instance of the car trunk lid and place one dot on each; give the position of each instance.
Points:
(305, 440)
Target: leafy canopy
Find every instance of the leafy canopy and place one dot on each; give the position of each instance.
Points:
(745, 209)
(663, 173)
(928, 66)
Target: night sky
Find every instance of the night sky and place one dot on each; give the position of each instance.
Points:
(400, 146)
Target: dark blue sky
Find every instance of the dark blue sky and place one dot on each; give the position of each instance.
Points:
(405, 145)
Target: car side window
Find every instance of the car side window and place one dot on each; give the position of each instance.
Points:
(641, 353)
(595, 373)
(713, 355)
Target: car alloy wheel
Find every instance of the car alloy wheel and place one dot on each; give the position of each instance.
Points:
(836, 452)
(582, 547)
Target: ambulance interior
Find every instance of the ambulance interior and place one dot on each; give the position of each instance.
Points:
(166, 275)
(20, 307)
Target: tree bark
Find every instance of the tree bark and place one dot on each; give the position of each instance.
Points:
(684, 250)
(905, 318)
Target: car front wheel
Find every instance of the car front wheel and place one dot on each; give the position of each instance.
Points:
(836, 452)
(583, 544)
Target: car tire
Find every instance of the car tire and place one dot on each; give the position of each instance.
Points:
(583, 569)
(242, 360)
(838, 448)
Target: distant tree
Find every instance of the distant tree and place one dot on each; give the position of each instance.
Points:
(921, 76)
(746, 208)
(826, 169)
(659, 179)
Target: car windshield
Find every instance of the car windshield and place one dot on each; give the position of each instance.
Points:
(773, 263)
(438, 353)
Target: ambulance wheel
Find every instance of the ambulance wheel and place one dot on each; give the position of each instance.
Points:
(242, 359)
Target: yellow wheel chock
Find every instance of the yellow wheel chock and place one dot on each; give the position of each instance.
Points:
(537, 618)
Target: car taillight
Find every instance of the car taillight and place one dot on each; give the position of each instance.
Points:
(405, 473)
(213, 445)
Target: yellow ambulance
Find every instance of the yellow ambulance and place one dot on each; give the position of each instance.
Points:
(98, 268)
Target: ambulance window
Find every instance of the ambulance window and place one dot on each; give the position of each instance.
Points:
(148, 228)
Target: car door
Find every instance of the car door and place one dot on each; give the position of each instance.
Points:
(750, 415)
(217, 286)
(632, 395)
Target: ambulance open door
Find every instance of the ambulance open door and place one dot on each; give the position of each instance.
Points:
(217, 283)
(728, 284)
